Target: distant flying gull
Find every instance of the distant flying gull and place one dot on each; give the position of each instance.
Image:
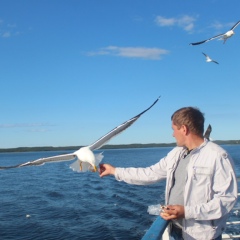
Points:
(224, 36)
(208, 59)
(86, 159)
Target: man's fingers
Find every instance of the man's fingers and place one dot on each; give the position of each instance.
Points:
(170, 211)
(167, 216)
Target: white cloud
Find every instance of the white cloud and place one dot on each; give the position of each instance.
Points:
(186, 22)
(219, 26)
(39, 130)
(161, 21)
(24, 125)
(132, 52)
(6, 34)
(11, 25)
(29, 127)
(8, 30)
(216, 25)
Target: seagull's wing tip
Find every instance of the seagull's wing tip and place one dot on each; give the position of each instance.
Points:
(235, 25)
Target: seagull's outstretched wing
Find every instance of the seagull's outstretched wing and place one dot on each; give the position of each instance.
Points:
(41, 161)
(197, 43)
(215, 61)
(103, 140)
(205, 54)
(235, 25)
(208, 132)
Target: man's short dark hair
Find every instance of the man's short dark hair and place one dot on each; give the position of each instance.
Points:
(191, 117)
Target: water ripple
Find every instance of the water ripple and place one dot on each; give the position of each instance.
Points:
(53, 202)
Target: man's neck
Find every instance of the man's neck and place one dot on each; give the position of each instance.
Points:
(194, 142)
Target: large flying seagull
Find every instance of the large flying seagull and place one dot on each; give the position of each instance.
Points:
(223, 36)
(86, 159)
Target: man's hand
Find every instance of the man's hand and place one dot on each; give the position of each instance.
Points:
(173, 212)
(106, 169)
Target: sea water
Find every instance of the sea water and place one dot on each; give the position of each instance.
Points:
(53, 202)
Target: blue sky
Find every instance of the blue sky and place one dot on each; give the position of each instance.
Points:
(71, 70)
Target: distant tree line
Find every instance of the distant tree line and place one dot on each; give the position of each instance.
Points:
(134, 145)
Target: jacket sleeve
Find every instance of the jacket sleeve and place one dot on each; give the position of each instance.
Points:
(142, 176)
(222, 192)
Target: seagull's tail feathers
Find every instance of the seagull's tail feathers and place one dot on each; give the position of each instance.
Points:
(224, 40)
(98, 158)
(114, 132)
(79, 166)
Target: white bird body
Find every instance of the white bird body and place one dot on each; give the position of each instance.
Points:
(223, 36)
(86, 159)
(227, 35)
(85, 154)
(89, 161)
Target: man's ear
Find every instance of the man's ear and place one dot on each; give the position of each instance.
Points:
(185, 129)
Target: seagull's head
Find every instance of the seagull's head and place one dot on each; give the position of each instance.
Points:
(86, 156)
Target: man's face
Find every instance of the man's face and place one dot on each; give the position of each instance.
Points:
(179, 135)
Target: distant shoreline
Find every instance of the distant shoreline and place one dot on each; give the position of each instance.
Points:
(119, 146)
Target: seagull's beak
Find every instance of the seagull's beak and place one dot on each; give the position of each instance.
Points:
(94, 168)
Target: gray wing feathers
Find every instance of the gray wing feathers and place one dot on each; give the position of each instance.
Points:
(197, 43)
(40, 161)
(219, 35)
(208, 132)
(103, 140)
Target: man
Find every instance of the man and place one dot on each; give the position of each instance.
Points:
(201, 186)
